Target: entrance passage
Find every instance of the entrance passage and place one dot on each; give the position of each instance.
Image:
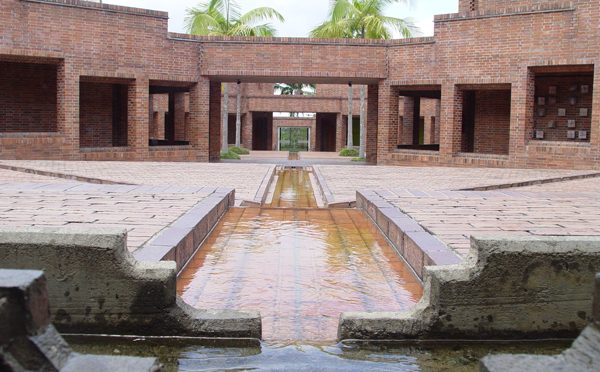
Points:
(299, 267)
(294, 139)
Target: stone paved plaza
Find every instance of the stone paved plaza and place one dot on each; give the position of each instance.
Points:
(427, 194)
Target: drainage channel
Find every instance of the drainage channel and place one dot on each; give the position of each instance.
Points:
(300, 266)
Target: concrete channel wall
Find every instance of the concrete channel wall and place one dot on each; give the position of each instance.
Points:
(96, 286)
(509, 288)
(28, 342)
(583, 355)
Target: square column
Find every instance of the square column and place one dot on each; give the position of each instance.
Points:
(450, 121)
(387, 113)
(372, 124)
(340, 133)
(247, 130)
(215, 121)
(67, 110)
(521, 115)
(138, 121)
(199, 119)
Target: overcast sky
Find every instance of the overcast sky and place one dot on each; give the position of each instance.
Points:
(300, 15)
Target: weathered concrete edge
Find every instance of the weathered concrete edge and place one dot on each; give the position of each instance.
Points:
(324, 189)
(418, 247)
(417, 323)
(103, 257)
(265, 185)
(583, 355)
(181, 239)
(28, 335)
(65, 176)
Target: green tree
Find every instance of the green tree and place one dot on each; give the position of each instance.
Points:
(361, 19)
(224, 18)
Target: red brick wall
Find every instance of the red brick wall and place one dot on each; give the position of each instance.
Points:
(95, 115)
(492, 122)
(27, 97)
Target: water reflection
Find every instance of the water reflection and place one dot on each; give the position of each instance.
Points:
(300, 268)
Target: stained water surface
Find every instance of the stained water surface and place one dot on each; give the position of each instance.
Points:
(299, 267)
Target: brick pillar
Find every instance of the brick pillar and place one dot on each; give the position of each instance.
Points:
(340, 132)
(450, 121)
(247, 130)
(137, 117)
(67, 109)
(521, 116)
(312, 144)
(179, 116)
(408, 122)
(438, 115)
(373, 123)
(595, 127)
(199, 119)
(387, 122)
(215, 121)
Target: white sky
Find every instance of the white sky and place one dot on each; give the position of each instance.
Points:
(300, 15)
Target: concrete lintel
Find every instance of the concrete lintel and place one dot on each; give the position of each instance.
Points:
(525, 287)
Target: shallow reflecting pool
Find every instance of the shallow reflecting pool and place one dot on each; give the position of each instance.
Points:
(300, 268)
(184, 356)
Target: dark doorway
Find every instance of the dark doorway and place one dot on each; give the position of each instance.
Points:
(262, 131)
(231, 129)
(468, 122)
(326, 132)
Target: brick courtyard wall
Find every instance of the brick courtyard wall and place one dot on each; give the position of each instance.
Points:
(95, 115)
(499, 43)
(27, 97)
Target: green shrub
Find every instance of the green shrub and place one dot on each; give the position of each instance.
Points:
(230, 155)
(359, 159)
(349, 152)
(239, 150)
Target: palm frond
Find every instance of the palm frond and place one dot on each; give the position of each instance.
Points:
(260, 14)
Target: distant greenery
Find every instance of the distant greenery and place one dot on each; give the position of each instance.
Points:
(230, 155)
(359, 159)
(239, 150)
(349, 152)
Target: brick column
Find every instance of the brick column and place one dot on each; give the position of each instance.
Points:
(405, 132)
(199, 119)
(138, 127)
(179, 116)
(372, 125)
(67, 109)
(450, 121)
(312, 141)
(387, 122)
(215, 121)
(341, 127)
(595, 127)
(247, 130)
(521, 116)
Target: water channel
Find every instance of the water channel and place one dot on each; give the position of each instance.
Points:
(301, 266)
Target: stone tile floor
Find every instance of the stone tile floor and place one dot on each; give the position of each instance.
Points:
(245, 178)
(344, 181)
(454, 216)
(143, 211)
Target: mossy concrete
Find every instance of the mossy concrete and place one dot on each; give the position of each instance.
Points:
(96, 286)
(509, 288)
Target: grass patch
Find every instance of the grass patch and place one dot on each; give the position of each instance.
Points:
(359, 159)
(230, 155)
(349, 152)
(239, 150)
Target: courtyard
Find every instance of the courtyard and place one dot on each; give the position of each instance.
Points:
(386, 185)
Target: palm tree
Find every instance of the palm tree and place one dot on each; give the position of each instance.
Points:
(361, 19)
(295, 89)
(224, 18)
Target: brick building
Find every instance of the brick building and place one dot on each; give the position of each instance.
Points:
(502, 83)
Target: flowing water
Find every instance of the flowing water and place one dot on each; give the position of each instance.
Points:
(300, 266)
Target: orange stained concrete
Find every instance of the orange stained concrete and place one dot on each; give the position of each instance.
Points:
(300, 268)
(293, 190)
